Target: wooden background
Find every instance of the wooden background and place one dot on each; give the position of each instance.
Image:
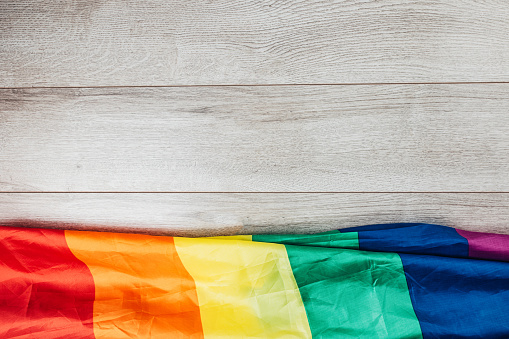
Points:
(257, 116)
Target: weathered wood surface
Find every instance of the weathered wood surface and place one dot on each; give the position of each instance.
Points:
(394, 138)
(203, 214)
(174, 42)
(120, 107)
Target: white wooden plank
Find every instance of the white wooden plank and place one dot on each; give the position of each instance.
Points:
(394, 138)
(174, 42)
(196, 214)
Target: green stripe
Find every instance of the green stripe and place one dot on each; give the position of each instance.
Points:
(353, 294)
(327, 239)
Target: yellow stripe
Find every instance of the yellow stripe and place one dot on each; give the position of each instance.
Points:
(234, 237)
(245, 289)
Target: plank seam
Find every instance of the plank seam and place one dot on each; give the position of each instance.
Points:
(266, 85)
(247, 192)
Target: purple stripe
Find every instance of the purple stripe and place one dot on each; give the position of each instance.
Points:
(487, 245)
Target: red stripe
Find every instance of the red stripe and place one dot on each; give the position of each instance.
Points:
(45, 291)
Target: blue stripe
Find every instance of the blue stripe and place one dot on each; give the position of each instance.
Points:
(378, 227)
(459, 298)
(412, 238)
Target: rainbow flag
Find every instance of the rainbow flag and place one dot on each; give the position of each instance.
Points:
(378, 281)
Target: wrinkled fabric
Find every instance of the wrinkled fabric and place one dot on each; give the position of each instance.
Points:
(376, 281)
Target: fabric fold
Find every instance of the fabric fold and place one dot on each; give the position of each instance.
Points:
(375, 281)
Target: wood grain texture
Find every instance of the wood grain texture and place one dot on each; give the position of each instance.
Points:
(395, 138)
(173, 42)
(195, 214)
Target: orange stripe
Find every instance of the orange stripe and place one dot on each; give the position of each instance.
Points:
(142, 290)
